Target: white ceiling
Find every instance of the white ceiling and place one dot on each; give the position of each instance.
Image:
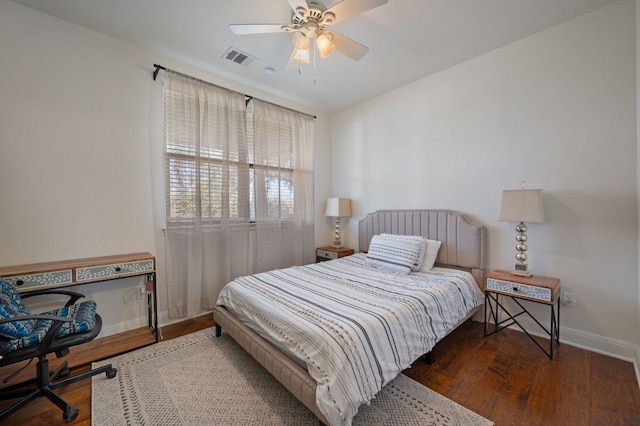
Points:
(408, 39)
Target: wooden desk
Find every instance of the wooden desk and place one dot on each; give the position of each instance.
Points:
(69, 273)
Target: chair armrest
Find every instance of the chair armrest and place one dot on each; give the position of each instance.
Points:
(73, 296)
(35, 317)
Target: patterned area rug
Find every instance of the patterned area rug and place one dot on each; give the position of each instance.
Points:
(198, 379)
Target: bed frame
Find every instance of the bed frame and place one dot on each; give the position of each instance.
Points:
(463, 247)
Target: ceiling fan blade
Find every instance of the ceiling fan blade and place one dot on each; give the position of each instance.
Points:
(348, 47)
(295, 4)
(348, 8)
(246, 29)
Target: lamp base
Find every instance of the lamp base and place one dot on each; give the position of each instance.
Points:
(522, 270)
(337, 242)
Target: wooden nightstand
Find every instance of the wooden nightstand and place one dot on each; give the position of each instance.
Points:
(330, 253)
(538, 289)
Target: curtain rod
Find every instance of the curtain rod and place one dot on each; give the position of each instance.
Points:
(248, 97)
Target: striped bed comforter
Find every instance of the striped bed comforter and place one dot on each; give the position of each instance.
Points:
(353, 327)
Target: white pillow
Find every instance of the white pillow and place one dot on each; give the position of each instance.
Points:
(393, 254)
(423, 248)
(433, 247)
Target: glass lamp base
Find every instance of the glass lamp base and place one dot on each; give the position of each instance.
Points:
(521, 270)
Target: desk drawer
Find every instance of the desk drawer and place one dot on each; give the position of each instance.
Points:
(517, 289)
(327, 254)
(113, 271)
(41, 279)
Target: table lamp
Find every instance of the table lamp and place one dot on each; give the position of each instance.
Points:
(522, 205)
(338, 207)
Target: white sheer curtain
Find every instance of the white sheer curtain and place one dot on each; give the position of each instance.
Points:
(207, 192)
(239, 190)
(283, 186)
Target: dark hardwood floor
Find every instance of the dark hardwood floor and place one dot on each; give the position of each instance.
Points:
(504, 377)
(509, 380)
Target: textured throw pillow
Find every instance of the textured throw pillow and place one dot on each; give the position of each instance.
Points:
(11, 306)
(393, 254)
(433, 247)
(423, 248)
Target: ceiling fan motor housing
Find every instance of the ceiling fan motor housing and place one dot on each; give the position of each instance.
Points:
(312, 21)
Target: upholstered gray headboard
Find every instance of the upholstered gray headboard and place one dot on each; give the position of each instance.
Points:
(463, 241)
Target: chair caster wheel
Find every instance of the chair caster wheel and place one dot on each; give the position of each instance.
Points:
(111, 373)
(70, 413)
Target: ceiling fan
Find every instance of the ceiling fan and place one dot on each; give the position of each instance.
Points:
(310, 20)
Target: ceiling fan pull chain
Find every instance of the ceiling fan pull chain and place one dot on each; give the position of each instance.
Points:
(314, 63)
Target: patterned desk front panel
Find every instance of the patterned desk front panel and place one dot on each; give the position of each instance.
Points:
(517, 289)
(42, 279)
(326, 254)
(113, 271)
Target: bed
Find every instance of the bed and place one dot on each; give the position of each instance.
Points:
(294, 360)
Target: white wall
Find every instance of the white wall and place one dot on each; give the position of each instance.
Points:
(556, 110)
(81, 151)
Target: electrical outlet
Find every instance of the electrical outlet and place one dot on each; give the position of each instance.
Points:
(568, 298)
(141, 292)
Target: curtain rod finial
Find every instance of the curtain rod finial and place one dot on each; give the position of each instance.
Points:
(157, 70)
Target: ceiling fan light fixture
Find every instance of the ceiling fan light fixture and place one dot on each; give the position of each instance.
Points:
(325, 44)
(301, 55)
(300, 41)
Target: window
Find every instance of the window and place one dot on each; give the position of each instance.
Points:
(272, 166)
(227, 159)
(207, 167)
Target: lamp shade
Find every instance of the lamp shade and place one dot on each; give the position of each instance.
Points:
(325, 44)
(300, 55)
(338, 207)
(522, 205)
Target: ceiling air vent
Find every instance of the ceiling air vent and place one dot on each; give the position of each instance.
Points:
(239, 57)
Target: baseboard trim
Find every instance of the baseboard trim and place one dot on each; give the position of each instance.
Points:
(124, 326)
(163, 321)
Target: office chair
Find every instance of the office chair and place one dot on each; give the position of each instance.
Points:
(24, 336)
